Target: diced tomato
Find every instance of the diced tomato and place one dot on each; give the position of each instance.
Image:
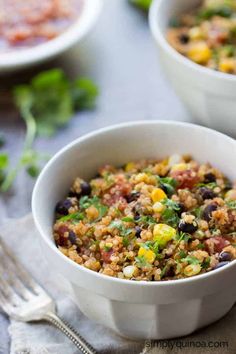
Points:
(216, 244)
(106, 255)
(185, 179)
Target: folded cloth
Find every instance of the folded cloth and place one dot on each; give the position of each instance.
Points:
(42, 338)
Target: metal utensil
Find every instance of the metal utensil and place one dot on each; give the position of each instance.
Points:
(24, 300)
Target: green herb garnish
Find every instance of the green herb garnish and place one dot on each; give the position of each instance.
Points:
(73, 216)
(231, 204)
(191, 260)
(168, 184)
(47, 103)
(206, 263)
(141, 4)
(85, 202)
(170, 214)
(142, 262)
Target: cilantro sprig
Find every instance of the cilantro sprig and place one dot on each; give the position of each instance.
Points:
(170, 214)
(85, 202)
(46, 104)
(141, 4)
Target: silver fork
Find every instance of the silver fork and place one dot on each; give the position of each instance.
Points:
(24, 300)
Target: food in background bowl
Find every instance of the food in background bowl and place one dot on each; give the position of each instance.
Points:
(150, 220)
(26, 24)
(207, 35)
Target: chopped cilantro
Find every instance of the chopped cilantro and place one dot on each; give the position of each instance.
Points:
(142, 262)
(191, 260)
(182, 254)
(85, 202)
(197, 212)
(73, 216)
(206, 263)
(231, 204)
(163, 271)
(211, 185)
(169, 215)
(128, 219)
(168, 184)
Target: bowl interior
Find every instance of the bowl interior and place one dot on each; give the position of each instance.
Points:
(118, 145)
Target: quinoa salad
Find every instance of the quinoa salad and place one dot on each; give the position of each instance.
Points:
(207, 35)
(150, 220)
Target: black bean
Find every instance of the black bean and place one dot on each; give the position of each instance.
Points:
(225, 257)
(206, 193)
(138, 231)
(187, 227)
(209, 177)
(207, 212)
(170, 272)
(184, 38)
(85, 188)
(221, 264)
(63, 207)
(136, 217)
(181, 209)
(72, 237)
(132, 196)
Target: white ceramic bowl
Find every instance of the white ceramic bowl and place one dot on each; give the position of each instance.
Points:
(209, 95)
(137, 309)
(21, 58)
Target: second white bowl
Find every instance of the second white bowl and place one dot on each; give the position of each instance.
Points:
(210, 96)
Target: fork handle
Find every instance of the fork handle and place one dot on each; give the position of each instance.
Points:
(74, 336)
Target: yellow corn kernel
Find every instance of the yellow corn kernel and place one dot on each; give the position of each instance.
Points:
(195, 33)
(158, 207)
(163, 233)
(158, 194)
(199, 52)
(192, 269)
(149, 255)
(179, 167)
(227, 65)
(129, 166)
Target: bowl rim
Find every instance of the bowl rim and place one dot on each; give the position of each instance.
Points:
(161, 39)
(74, 33)
(78, 267)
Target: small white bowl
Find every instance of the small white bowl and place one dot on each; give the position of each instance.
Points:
(20, 58)
(136, 309)
(209, 95)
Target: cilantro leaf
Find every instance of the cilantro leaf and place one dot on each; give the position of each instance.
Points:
(168, 184)
(4, 160)
(46, 104)
(231, 204)
(191, 260)
(84, 93)
(72, 216)
(142, 4)
(142, 262)
(85, 202)
(170, 214)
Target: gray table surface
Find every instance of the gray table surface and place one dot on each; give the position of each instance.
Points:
(121, 57)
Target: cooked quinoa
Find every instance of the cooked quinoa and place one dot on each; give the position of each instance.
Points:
(207, 35)
(150, 220)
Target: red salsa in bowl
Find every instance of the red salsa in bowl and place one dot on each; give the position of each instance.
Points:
(27, 24)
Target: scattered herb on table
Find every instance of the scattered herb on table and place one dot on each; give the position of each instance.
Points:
(143, 5)
(46, 104)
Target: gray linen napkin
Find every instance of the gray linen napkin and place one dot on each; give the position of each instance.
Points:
(42, 338)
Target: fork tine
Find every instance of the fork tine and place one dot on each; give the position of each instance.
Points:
(5, 305)
(8, 275)
(8, 291)
(19, 270)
